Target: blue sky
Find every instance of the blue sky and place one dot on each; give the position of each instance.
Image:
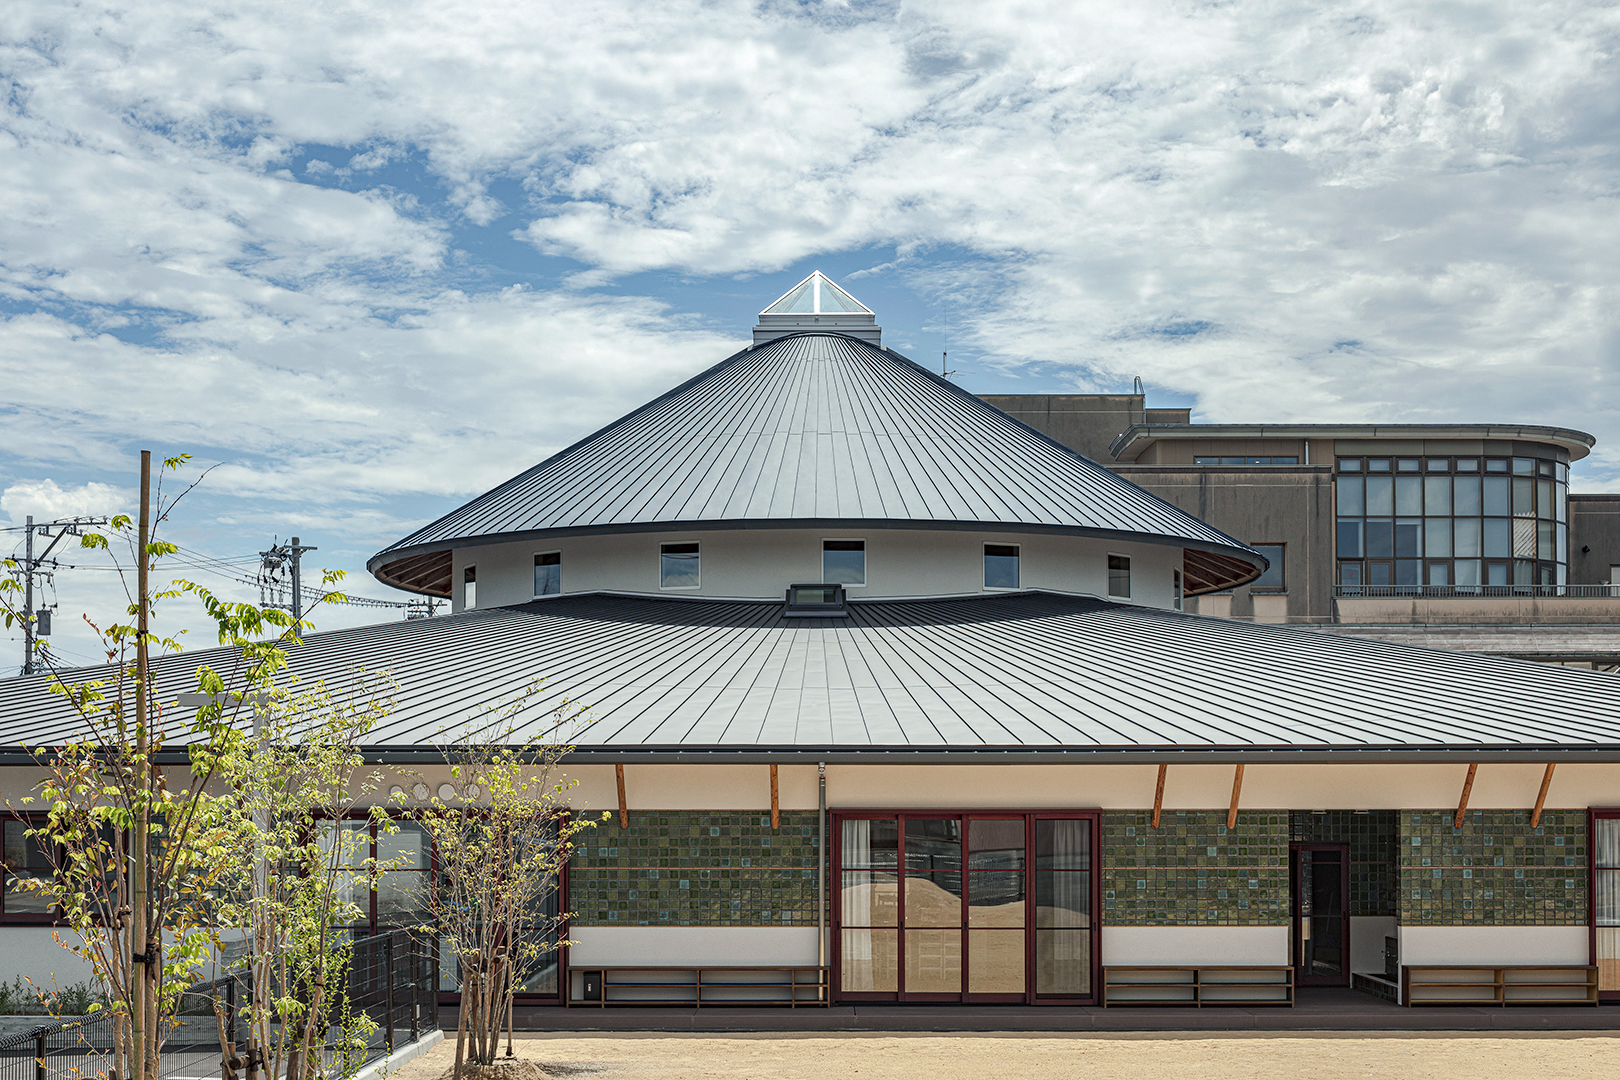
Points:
(372, 259)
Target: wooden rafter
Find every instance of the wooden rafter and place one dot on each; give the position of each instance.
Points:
(776, 809)
(624, 807)
(1541, 798)
(1237, 790)
(1158, 796)
(1462, 803)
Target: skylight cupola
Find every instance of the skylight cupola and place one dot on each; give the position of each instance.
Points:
(818, 303)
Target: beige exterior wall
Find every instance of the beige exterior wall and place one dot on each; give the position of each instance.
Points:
(1575, 786)
(762, 563)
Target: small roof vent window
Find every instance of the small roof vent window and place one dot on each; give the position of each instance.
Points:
(821, 598)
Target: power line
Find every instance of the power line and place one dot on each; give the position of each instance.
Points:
(37, 624)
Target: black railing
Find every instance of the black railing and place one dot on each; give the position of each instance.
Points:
(1475, 591)
(393, 980)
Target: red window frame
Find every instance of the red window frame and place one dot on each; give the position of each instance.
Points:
(1030, 817)
(1593, 815)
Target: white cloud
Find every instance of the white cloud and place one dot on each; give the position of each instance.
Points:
(46, 500)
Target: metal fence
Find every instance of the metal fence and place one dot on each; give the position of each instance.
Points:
(1535, 591)
(392, 979)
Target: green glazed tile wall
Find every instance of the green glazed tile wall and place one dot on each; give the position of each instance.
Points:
(698, 868)
(1374, 839)
(1495, 870)
(1193, 871)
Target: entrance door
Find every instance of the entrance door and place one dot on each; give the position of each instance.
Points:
(1321, 894)
(981, 907)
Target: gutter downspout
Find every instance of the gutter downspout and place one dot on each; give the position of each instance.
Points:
(821, 876)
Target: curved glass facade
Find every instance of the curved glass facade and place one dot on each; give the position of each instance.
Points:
(1452, 521)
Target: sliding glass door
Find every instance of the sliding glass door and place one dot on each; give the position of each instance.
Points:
(1606, 901)
(964, 906)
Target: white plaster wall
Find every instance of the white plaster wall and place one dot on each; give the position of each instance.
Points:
(1194, 945)
(1495, 945)
(623, 946)
(1204, 787)
(30, 952)
(1367, 934)
(764, 562)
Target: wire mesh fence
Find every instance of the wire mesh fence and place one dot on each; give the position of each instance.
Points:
(392, 980)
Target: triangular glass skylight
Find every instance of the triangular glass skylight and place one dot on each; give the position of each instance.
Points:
(817, 295)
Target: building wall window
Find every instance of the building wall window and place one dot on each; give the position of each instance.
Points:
(1176, 588)
(678, 566)
(1275, 576)
(1463, 521)
(24, 858)
(1119, 576)
(1001, 566)
(469, 588)
(843, 562)
(548, 573)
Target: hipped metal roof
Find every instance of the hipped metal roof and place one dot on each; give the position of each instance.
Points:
(815, 429)
(1016, 677)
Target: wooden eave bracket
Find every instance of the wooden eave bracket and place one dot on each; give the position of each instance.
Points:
(1158, 796)
(1462, 803)
(1237, 790)
(624, 807)
(1541, 799)
(776, 810)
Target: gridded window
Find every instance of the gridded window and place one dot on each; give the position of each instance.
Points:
(469, 588)
(24, 859)
(843, 562)
(1274, 577)
(548, 573)
(1119, 576)
(1606, 898)
(1409, 523)
(1001, 566)
(990, 906)
(678, 566)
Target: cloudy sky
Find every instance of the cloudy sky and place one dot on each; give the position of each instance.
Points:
(372, 258)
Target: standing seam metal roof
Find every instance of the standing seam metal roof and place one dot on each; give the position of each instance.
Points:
(1029, 673)
(817, 428)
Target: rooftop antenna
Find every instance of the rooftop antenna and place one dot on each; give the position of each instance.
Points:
(945, 352)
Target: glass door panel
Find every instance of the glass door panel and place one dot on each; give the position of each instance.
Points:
(1063, 931)
(931, 918)
(1606, 901)
(869, 905)
(997, 902)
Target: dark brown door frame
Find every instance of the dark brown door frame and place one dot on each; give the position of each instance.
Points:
(900, 816)
(1301, 977)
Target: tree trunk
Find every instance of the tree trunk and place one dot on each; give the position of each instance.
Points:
(138, 843)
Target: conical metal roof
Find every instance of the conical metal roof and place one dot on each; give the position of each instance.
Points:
(809, 430)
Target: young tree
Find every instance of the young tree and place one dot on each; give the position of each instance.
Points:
(133, 845)
(296, 812)
(501, 844)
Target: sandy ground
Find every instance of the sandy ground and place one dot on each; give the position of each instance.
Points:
(1019, 1056)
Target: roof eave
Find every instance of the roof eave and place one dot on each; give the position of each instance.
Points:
(1130, 443)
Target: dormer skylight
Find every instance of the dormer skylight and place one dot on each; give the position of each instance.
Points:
(817, 295)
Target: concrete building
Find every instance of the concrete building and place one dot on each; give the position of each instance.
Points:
(888, 691)
(1461, 536)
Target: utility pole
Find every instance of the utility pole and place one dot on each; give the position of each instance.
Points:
(31, 566)
(271, 563)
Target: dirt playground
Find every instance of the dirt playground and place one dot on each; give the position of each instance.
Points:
(1036, 1056)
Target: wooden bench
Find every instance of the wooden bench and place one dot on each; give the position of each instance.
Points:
(696, 987)
(1198, 987)
(1501, 984)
